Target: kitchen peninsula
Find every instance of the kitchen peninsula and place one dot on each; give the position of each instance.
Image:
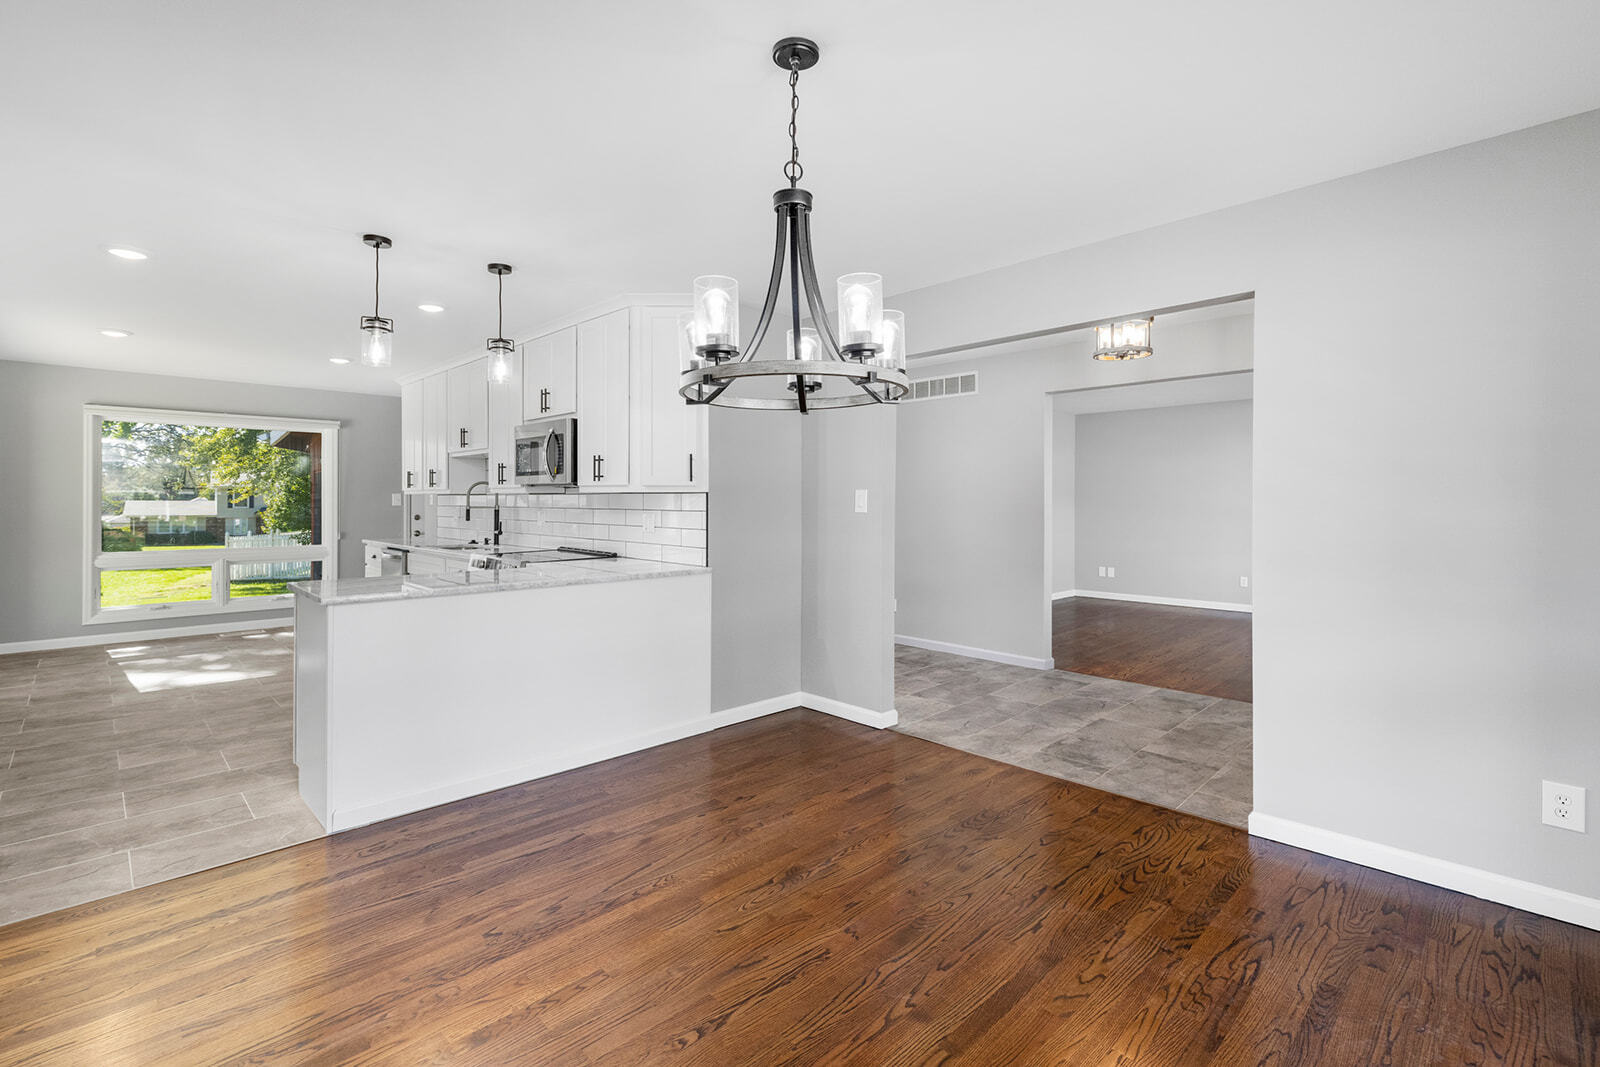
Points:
(412, 691)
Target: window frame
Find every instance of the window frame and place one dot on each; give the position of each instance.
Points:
(220, 558)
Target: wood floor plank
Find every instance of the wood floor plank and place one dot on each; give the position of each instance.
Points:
(796, 890)
(1192, 650)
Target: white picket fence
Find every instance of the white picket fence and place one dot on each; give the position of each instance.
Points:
(280, 570)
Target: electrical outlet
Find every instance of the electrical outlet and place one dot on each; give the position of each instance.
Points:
(649, 522)
(1111, 572)
(1564, 806)
(1244, 581)
(394, 500)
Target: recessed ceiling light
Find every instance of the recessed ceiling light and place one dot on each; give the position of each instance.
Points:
(336, 359)
(432, 309)
(115, 333)
(128, 253)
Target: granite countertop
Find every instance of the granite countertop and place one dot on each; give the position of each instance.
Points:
(469, 582)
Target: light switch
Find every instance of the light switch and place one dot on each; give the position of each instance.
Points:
(861, 501)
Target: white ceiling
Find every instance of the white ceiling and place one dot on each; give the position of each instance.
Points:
(604, 148)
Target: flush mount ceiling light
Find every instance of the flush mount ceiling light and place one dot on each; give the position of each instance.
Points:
(338, 359)
(1129, 339)
(122, 252)
(867, 368)
(432, 309)
(119, 334)
(378, 331)
(499, 348)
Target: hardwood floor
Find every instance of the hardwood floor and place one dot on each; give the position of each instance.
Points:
(797, 890)
(1193, 650)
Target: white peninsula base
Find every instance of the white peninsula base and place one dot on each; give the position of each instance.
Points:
(407, 701)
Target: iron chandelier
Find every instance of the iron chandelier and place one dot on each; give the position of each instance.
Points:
(869, 363)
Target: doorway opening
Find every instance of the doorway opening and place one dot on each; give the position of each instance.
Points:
(1146, 587)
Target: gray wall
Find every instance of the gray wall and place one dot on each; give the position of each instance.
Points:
(974, 547)
(1163, 495)
(847, 619)
(1426, 453)
(1063, 537)
(41, 480)
(753, 537)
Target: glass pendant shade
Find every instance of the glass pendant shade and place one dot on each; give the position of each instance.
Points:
(688, 340)
(1128, 339)
(377, 339)
(500, 353)
(810, 344)
(892, 336)
(860, 308)
(716, 311)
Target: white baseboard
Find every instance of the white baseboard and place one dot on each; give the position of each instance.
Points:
(350, 818)
(881, 720)
(976, 653)
(1529, 896)
(126, 636)
(1170, 601)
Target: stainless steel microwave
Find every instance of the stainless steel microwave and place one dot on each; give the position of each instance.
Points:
(547, 451)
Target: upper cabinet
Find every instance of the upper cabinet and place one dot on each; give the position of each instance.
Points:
(505, 413)
(411, 462)
(617, 374)
(550, 374)
(670, 433)
(435, 432)
(467, 392)
(604, 370)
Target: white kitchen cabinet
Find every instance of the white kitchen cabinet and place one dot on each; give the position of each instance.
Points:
(411, 459)
(550, 374)
(467, 400)
(670, 435)
(604, 370)
(435, 432)
(505, 413)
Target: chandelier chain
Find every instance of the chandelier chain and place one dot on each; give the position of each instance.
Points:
(792, 169)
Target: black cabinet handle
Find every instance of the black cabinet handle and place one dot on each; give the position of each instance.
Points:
(408, 479)
(501, 473)
(691, 466)
(463, 438)
(602, 461)
(431, 473)
(544, 400)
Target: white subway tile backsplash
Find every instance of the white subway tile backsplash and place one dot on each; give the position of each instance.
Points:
(612, 521)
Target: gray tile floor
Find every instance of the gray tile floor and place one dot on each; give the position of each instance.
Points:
(125, 765)
(1178, 750)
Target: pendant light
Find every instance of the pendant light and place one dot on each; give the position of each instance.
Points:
(1129, 339)
(860, 362)
(378, 331)
(500, 349)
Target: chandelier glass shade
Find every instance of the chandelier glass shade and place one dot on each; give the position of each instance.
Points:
(500, 349)
(1129, 339)
(862, 363)
(377, 332)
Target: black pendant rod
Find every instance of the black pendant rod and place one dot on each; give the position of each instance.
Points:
(794, 304)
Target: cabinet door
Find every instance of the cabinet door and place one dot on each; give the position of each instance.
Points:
(671, 433)
(549, 374)
(411, 467)
(467, 397)
(435, 432)
(603, 370)
(505, 412)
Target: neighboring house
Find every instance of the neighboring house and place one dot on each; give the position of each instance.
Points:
(195, 521)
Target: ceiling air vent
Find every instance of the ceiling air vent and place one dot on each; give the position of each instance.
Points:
(941, 388)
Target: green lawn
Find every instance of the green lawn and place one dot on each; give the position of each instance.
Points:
(122, 589)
